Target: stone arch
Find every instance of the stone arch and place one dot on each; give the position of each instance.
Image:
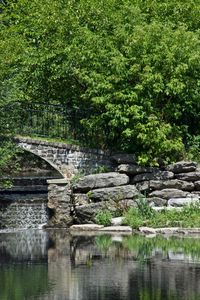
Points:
(67, 159)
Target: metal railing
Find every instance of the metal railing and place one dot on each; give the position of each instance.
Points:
(44, 120)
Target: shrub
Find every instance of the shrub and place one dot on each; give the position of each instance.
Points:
(144, 210)
(193, 150)
(133, 218)
(103, 218)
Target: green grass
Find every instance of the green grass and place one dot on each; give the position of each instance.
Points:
(189, 217)
(53, 140)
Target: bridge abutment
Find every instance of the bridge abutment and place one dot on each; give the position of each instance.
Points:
(59, 201)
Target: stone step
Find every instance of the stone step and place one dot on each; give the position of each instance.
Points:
(23, 189)
(85, 227)
(100, 228)
(115, 229)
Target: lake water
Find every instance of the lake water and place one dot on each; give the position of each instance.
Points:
(51, 264)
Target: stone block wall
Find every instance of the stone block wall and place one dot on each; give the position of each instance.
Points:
(173, 186)
(67, 159)
(59, 202)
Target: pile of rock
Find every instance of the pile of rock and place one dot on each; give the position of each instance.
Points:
(100, 191)
(176, 185)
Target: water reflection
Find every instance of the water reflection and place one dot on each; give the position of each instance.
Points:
(29, 246)
(54, 265)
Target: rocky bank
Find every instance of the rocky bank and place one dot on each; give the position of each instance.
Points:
(173, 186)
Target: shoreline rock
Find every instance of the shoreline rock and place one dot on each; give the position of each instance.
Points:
(95, 229)
(169, 230)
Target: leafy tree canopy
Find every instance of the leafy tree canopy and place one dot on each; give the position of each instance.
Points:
(135, 62)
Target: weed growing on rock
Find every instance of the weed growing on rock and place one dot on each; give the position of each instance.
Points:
(103, 217)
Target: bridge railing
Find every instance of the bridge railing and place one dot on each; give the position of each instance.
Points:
(44, 120)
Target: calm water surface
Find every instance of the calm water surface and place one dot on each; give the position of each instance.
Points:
(38, 264)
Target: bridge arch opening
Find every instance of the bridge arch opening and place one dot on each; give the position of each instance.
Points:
(33, 164)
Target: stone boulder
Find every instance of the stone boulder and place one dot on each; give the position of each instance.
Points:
(167, 230)
(86, 213)
(171, 184)
(164, 184)
(114, 193)
(197, 185)
(143, 186)
(124, 158)
(124, 205)
(59, 201)
(190, 176)
(182, 167)
(132, 169)
(169, 193)
(196, 193)
(117, 221)
(156, 175)
(81, 199)
(101, 180)
(156, 201)
(85, 227)
(177, 202)
(117, 229)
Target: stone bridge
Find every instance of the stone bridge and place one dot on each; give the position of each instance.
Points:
(67, 159)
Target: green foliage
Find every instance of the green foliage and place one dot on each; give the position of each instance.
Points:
(75, 179)
(100, 169)
(193, 152)
(120, 207)
(138, 216)
(89, 194)
(103, 217)
(133, 218)
(144, 209)
(8, 163)
(25, 284)
(135, 63)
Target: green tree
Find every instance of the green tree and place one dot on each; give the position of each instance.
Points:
(135, 63)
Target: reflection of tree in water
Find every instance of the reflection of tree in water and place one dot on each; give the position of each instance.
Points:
(24, 264)
(146, 248)
(98, 267)
(165, 280)
(82, 250)
(19, 282)
(137, 268)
